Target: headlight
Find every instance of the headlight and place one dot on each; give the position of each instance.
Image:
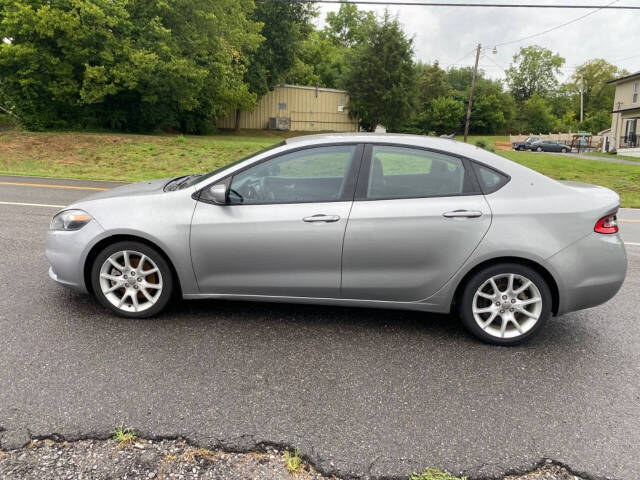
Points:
(70, 220)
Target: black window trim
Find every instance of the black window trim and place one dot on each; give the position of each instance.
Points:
(471, 184)
(506, 178)
(347, 194)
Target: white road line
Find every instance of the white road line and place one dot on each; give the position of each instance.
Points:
(635, 244)
(32, 204)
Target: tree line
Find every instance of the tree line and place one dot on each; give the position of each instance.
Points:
(147, 65)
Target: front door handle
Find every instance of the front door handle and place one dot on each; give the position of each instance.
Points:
(463, 213)
(321, 218)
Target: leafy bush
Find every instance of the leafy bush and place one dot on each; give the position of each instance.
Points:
(481, 144)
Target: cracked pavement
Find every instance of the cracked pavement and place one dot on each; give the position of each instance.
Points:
(361, 393)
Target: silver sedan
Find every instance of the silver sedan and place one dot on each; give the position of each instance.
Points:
(364, 220)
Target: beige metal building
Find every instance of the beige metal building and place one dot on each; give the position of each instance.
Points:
(294, 107)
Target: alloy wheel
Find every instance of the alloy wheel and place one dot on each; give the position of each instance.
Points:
(130, 281)
(507, 305)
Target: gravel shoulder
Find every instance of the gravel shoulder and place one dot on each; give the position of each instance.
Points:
(169, 459)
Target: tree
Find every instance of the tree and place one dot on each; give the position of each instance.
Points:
(597, 121)
(125, 64)
(285, 26)
(493, 108)
(432, 83)
(534, 71)
(381, 81)
(443, 116)
(537, 115)
(318, 62)
(595, 75)
(348, 26)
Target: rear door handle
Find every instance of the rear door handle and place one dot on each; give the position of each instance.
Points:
(463, 213)
(321, 218)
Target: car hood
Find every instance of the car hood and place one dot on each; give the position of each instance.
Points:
(131, 190)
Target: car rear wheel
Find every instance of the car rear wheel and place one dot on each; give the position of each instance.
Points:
(539, 149)
(132, 279)
(505, 304)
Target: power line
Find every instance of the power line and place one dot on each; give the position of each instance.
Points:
(626, 58)
(478, 5)
(461, 58)
(528, 37)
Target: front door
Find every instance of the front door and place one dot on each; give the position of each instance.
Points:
(281, 232)
(414, 222)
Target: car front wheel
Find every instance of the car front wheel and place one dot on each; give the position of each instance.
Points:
(131, 279)
(505, 304)
(539, 149)
(564, 150)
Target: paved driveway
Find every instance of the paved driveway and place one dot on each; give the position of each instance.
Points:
(361, 392)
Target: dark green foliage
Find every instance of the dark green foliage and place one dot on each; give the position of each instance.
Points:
(285, 26)
(125, 64)
(381, 81)
(537, 116)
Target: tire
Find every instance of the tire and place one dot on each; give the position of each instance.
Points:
(142, 295)
(564, 150)
(510, 307)
(539, 149)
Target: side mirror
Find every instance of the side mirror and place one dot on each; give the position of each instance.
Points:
(218, 193)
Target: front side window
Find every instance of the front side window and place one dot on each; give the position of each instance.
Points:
(310, 175)
(401, 172)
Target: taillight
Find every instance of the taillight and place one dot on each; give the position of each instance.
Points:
(607, 224)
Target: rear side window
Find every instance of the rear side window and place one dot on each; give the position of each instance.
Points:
(401, 172)
(490, 180)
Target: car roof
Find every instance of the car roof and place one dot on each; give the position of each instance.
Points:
(436, 143)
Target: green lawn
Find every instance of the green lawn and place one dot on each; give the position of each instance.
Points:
(144, 157)
(489, 140)
(613, 155)
(624, 179)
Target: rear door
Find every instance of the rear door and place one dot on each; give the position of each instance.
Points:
(417, 216)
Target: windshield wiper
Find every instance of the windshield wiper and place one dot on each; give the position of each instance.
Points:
(173, 184)
(180, 182)
(186, 180)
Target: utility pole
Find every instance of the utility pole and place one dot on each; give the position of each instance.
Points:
(473, 87)
(581, 98)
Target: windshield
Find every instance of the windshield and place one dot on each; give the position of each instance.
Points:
(198, 179)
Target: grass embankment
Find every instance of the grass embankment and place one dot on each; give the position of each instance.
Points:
(121, 157)
(144, 157)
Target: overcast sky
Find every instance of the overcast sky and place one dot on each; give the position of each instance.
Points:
(447, 34)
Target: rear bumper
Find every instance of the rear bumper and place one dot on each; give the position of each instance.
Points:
(592, 270)
(66, 252)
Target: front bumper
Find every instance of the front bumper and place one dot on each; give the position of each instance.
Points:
(67, 252)
(592, 270)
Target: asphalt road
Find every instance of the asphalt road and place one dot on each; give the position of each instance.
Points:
(375, 393)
